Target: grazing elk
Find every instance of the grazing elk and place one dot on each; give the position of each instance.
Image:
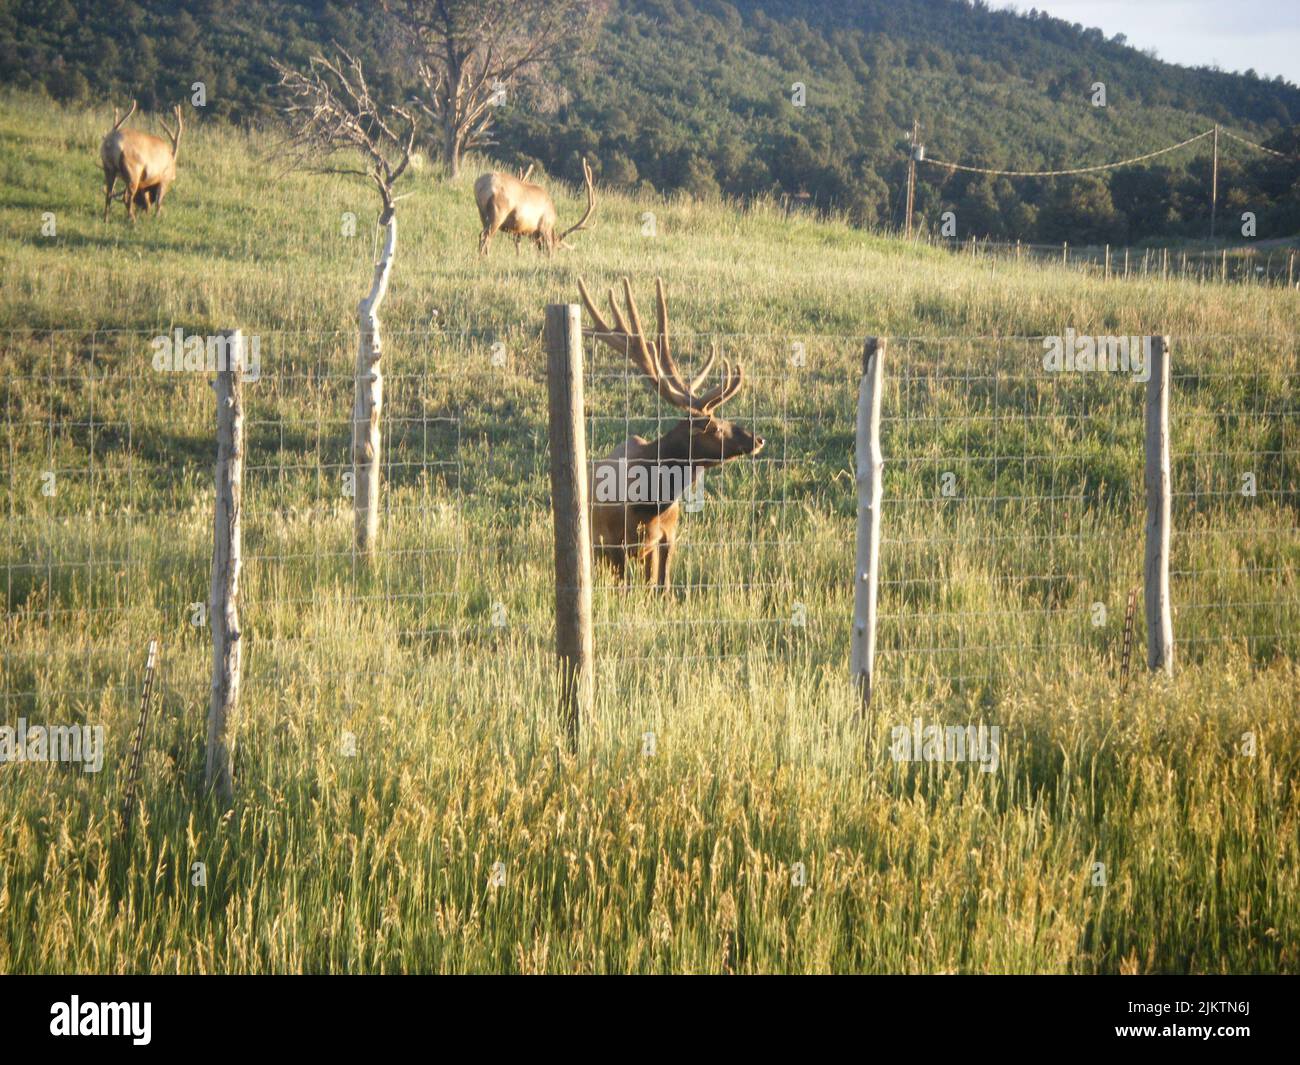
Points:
(145, 163)
(647, 478)
(521, 209)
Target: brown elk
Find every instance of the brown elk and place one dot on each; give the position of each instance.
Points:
(145, 163)
(640, 522)
(521, 209)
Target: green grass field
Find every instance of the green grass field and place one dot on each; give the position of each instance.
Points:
(1138, 829)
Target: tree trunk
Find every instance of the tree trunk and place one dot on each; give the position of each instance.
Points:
(368, 402)
(451, 146)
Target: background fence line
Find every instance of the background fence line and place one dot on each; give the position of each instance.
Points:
(1242, 264)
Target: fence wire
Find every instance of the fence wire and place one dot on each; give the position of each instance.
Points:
(1012, 528)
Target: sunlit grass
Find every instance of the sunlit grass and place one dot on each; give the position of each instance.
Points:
(769, 830)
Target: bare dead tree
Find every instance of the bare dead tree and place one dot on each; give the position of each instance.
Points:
(465, 53)
(331, 112)
(333, 115)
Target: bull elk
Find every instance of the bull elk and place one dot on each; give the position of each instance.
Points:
(145, 163)
(521, 209)
(648, 477)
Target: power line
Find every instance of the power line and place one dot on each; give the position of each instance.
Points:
(1074, 170)
(1103, 166)
(1259, 147)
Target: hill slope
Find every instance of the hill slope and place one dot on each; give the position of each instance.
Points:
(683, 859)
(696, 95)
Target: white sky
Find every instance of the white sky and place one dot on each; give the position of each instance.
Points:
(1259, 34)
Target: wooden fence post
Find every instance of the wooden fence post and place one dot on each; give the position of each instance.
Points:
(368, 400)
(1107, 268)
(573, 639)
(870, 469)
(223, 609)
(1159, 612)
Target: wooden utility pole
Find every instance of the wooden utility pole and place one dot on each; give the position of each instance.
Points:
(568, 440)
(870, 469)
(911, 176)
(1214, 182)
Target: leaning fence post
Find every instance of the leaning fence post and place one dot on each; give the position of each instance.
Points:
(1159, 612)
(573, 640)
(870, 469)
(223, 610)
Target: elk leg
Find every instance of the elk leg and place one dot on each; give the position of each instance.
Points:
(158, 194)
(518, 240)
(665, 550)
(132, 190)
(613, 556)
(110, 182)
(486, 238)
(651, 556)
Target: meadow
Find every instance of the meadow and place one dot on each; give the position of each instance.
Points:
(404, 801)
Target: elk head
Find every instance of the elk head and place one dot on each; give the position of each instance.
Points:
(637, 526)
(706, 439)
(175, 137)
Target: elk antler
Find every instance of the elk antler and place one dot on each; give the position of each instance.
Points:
(591, 205)
(180, 128)
(655, 359)
(524, 176)
(117, 122)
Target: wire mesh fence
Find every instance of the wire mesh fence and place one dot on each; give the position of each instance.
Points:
(1271, 264)
(1011, 533)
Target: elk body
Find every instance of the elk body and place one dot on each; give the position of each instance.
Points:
(145, 163)
(649, 477)
(509, 205)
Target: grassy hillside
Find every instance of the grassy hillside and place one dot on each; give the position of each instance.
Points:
(695, 95)
(437, 660)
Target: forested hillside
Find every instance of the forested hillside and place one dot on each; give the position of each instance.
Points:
(696, 95)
